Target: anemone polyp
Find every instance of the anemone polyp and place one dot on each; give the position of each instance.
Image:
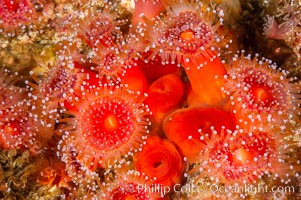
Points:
(17, 128)
(259, 93)
(18, 15)
(245, 158)
(58, 85)
(111, 64)
(189, 34)
(9, 94)
(79, 172)
(110, 124)
(97, 28)
(186, 32)
(14, 13)
(128, 185)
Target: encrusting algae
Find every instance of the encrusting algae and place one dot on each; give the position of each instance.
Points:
(150, 99)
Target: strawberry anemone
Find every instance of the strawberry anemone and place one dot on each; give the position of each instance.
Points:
(15, 13)
(260, 94)
(186, 32)
(127, 186)
(244, 158)
(111, 63)
(191, 128)
(17, 127)
(58, 85)
(50, 94)
(97, 28)
(52, 173)
(109, 124)
(9, 94)
(161, 161)
(15, 121)
(189, 35)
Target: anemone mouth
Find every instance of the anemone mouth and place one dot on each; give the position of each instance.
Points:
(107, 123)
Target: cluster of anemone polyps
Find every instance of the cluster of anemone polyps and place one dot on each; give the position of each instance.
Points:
(165, 108)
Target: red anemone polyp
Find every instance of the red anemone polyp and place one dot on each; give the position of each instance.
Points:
(191, 128)
(15, 13)
(161, 161)
(110, 123)
(186, 32)
(97, 29)
(244, 158)
(154, 69)
(9, 94)
(107, 123)
(260, 94)
(130, 185)
(59, 85)
(134, 80)
(17, 129)
(188, 35)
(128, 191)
